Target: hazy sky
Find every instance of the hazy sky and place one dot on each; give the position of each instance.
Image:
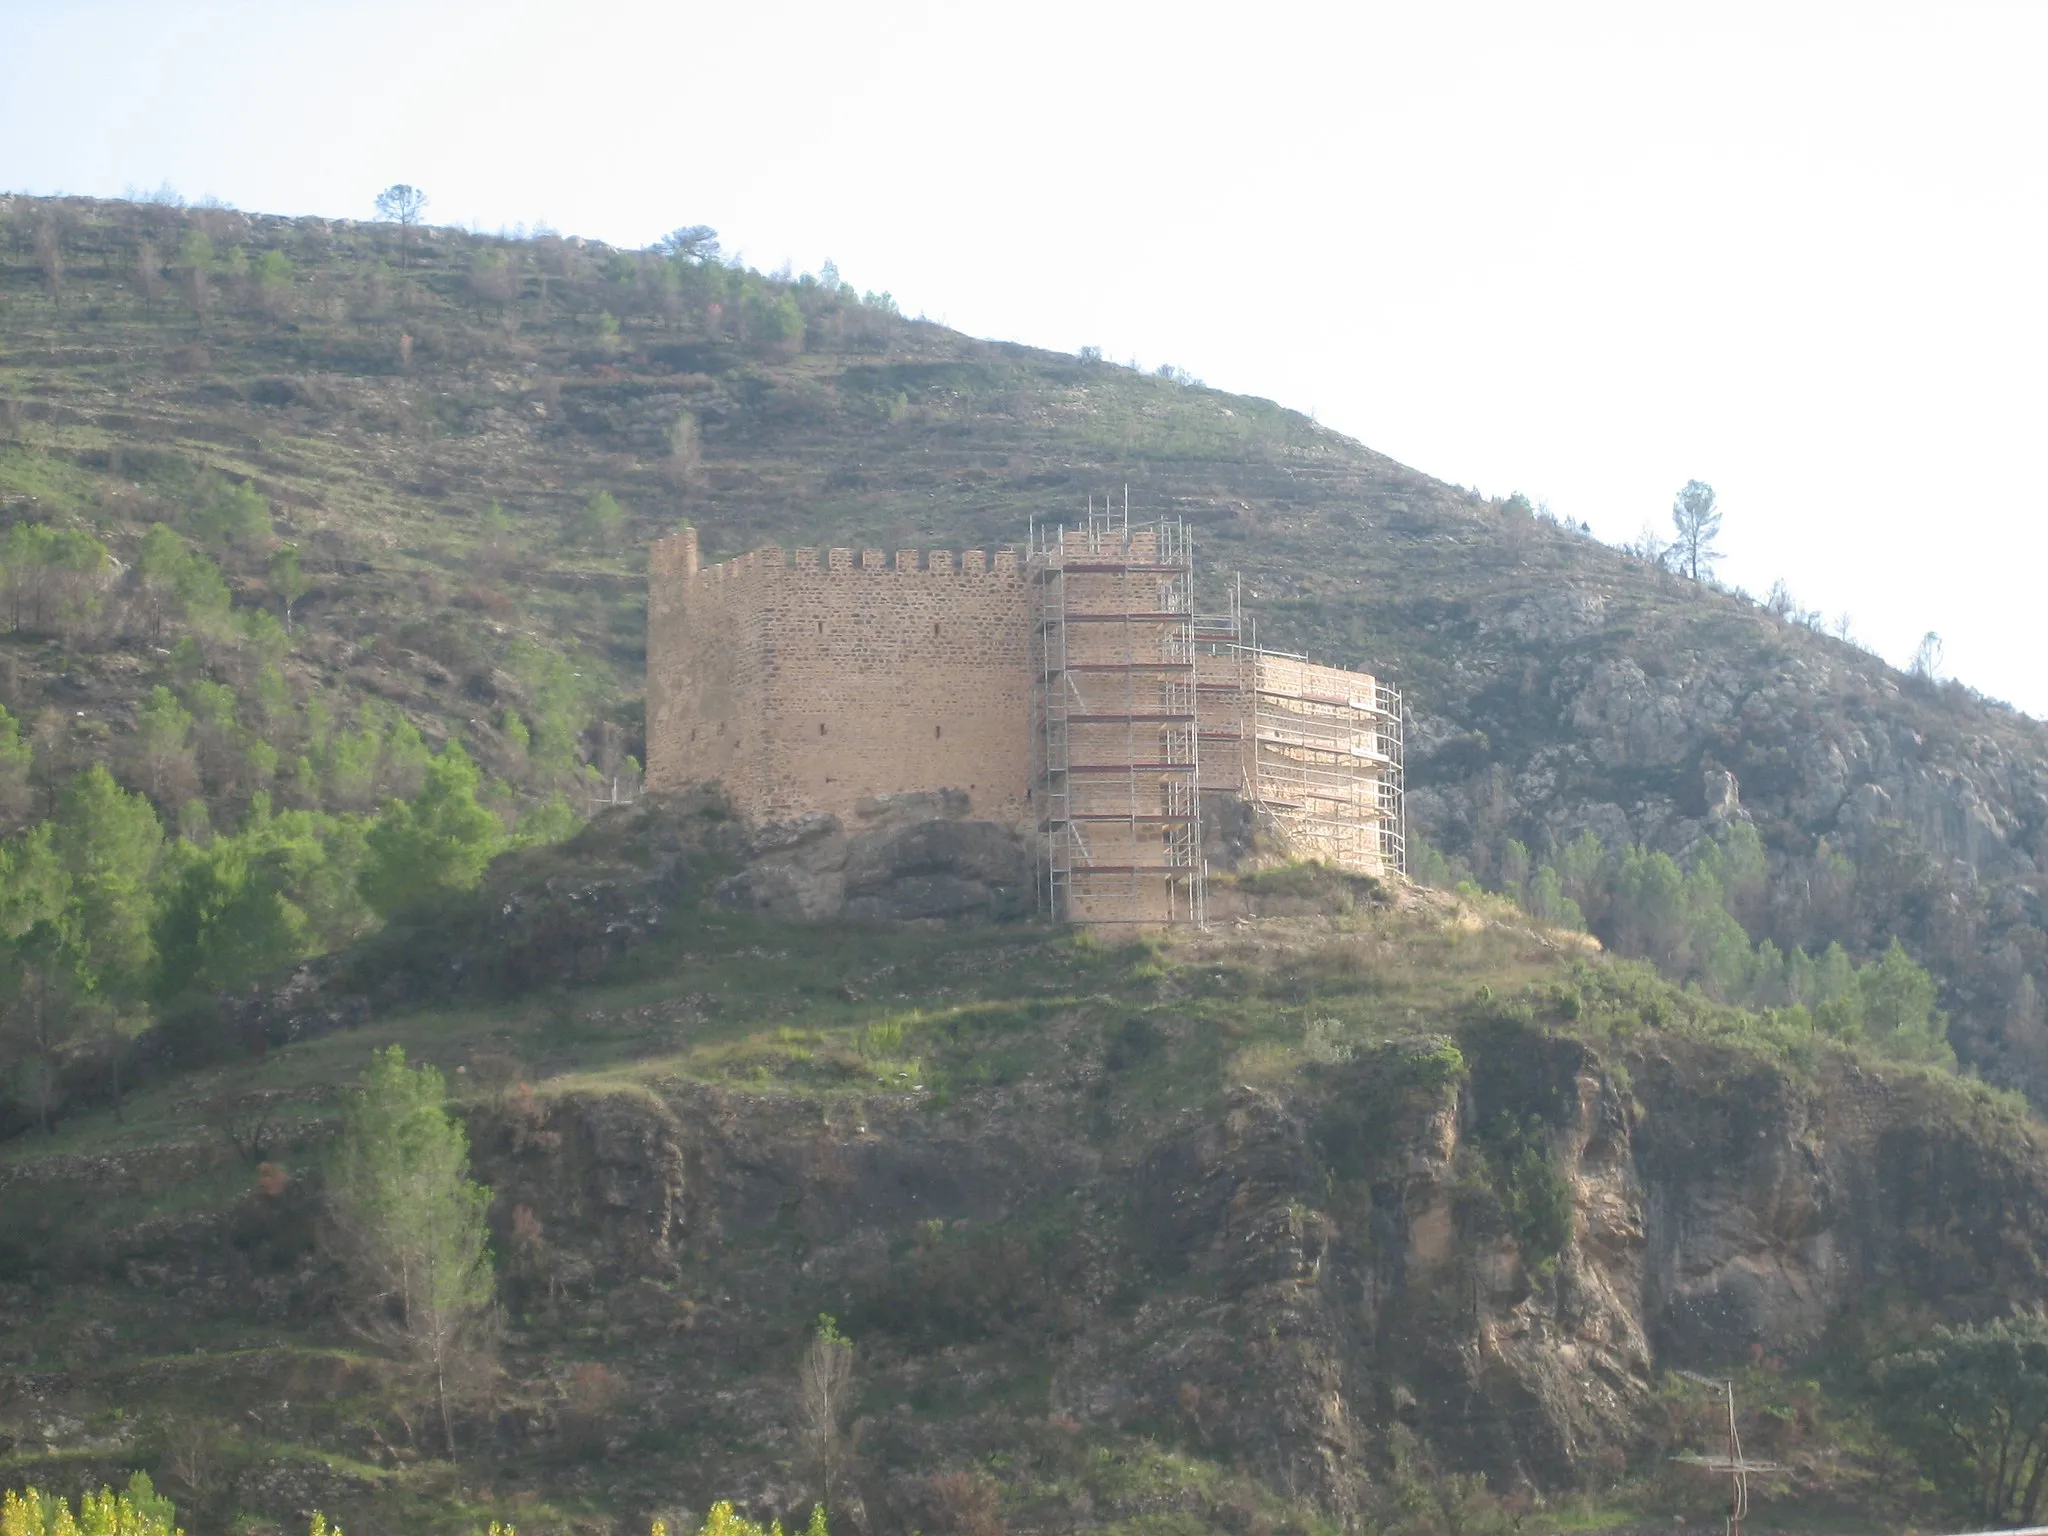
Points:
(1583, 251)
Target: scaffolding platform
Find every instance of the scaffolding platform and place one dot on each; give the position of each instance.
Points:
(1141, 704)
(1114, 728)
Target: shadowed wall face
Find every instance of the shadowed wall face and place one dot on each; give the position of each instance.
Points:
(808, 685)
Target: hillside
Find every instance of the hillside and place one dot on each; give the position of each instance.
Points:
(427, 418)
(1387, 1209)
(1373, 1210)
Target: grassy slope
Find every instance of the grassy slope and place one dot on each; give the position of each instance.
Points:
(884, 432)
(881, 432)
(162, 1311)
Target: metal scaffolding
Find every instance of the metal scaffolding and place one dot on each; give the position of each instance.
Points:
(1116, 781)
(1140, 704)
(1326, 761)
(1225, 645)
(1317, 748)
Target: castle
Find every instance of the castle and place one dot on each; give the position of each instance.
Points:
(1070, 690)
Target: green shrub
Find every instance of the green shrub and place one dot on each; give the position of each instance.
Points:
(1971, 1406)
(437, 845)
(139, 1510)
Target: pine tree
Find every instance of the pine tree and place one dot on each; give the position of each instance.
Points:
(38, 980)
(110, 842)
(434, 846)
(15, 761)
(288, 581)
(824, 1394)
(1698, 523)
(412, 1230)
(601, 519)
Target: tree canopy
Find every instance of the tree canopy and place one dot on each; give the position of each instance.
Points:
(1697, 518)
(1972, 1406)
(433, 847)
(413, 1228)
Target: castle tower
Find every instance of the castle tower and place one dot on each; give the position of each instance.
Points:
(1073, 695)
(1116, 778)
(809, 681)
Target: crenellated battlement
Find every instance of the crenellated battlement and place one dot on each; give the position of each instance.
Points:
(674, 559)
(808, 679)
(1074, 697)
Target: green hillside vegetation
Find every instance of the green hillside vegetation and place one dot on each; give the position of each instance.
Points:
(109, 927)
(681, 1384)
(290, 504)
(1693, 923)
(139, 1510)
(322, 564)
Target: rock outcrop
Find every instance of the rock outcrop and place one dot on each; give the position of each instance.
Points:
(1646, 709)
(1328, 1261)
(1286, 1276)
(906, 858)
(1719, 1212)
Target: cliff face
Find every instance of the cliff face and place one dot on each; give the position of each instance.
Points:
(1658, 713)
(1286, 1274)
(1641, 746)
(1049, 1249)
(1719, 1212)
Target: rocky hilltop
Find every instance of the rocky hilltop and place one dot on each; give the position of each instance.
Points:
(431, 422)
(1389, 1208)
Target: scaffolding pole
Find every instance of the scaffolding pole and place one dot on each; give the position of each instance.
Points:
(1116, 783)
(1141, 703)
(1319, 749)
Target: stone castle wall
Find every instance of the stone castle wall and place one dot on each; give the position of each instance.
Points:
(813, 681)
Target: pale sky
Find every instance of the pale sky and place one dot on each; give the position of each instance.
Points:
(1584, 251)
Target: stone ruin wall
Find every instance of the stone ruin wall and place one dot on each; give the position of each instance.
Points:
(811, 682)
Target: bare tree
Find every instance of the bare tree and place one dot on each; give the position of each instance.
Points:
(685, 451)
(50, 257)
(192, 1448)
(402, 205)
(149, 277)
(1698, 522)
(551, 257)
(824, 1394)
(195, 260)
(1927, 657)
(1648, 547)
(493, 279)
(249, 1125)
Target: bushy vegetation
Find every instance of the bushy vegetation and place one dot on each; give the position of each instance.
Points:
(139, 1510)
(1971, 1405)
(107, 920)
(1694, 922)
